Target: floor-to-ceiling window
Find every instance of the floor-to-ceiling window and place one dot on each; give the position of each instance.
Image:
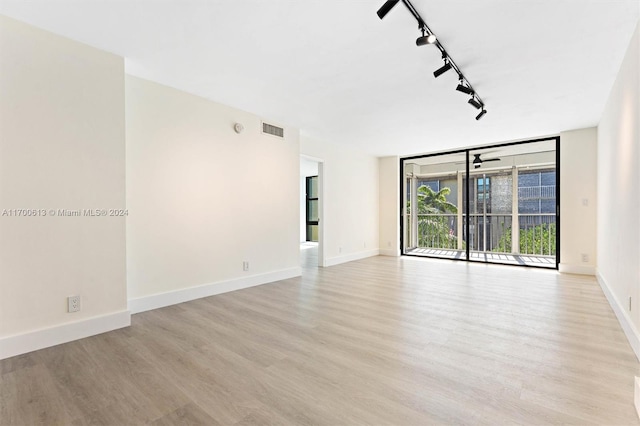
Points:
(493, 204)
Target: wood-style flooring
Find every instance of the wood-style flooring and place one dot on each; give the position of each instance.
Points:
(381, 341)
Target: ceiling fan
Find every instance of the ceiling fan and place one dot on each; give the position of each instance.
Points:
(477, 161)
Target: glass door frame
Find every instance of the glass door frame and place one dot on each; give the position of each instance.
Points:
(466, 213)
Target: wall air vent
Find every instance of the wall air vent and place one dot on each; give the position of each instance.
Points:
(270, 129)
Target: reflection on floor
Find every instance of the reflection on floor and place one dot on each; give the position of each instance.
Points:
(528, 260)
(309, 254)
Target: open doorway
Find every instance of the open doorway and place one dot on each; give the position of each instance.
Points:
(311, 174)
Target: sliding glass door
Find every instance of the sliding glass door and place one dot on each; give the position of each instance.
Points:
(490, 211)
(432, 207)
(505, 212)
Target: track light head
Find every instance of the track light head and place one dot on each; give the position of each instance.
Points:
(386, 7)
(425, 39)
(446, 67)
(475, 103)
(464, 89)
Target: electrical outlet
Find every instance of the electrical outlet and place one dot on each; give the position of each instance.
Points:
(585, 258)
(388, 243)
(245, 265)
(73, 303)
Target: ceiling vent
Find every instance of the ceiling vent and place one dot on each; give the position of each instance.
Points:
(270, 129)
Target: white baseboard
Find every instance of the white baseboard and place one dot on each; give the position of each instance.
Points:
(52, 336)
(566, 268)
(389, 252)
(636, 394)
(351, 257)
(623, 317)
(160, 300)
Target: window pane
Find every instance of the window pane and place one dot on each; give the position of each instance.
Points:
(312, 232)
(312, 191)
(528, 206)
(312, 211)
(528, 179)
(548, 206)
(548, 178)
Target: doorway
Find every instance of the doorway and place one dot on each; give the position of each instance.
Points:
(311, 208)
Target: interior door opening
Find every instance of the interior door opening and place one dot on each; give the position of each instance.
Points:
(311, 208)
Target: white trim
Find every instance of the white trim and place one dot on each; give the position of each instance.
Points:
(636, 394)
(351, 257)
(311, 158)
(56, 335)
(160, 300)
(565, 268)
(321, 215)
(623, 317)
(389, 252)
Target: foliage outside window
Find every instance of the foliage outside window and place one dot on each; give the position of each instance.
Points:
(540, 240)
(436, 218)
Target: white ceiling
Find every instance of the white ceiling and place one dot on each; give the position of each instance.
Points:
(333, 69)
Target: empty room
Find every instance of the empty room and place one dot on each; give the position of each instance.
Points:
(392, 212)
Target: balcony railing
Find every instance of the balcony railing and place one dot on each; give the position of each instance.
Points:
(489, 232)
(538, 234)
(493, 232)
(438, 231)
(537, 192)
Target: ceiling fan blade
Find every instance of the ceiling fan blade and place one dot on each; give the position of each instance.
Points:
(490, 159)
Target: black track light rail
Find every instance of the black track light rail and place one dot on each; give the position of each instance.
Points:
(422, 26)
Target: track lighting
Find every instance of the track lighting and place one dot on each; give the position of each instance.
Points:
(428, 37)
(386, 7)
(425, 39)
(446, 67)
(475, 103)
(464, 89)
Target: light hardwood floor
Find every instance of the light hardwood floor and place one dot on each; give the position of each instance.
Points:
(402, 341)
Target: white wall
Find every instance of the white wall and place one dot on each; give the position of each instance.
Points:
(389, 206)
(619, 194)
(202, 199)
(62, 146)
(578, 200)
(350, 201)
